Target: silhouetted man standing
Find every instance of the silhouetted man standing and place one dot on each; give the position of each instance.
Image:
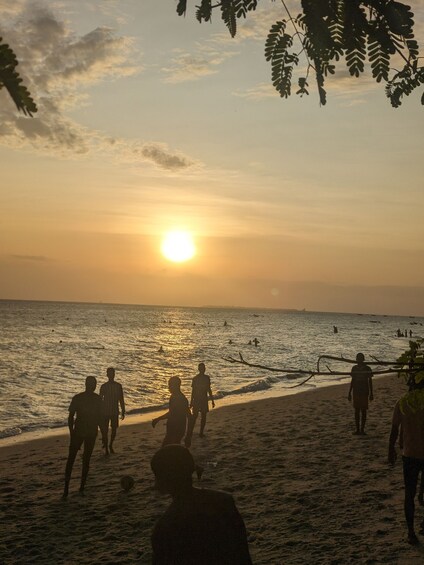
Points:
(409, 416)
(87, 406)
(112, 395)
(202, 526)
(177, 416)
(361, 386)
(200, 396)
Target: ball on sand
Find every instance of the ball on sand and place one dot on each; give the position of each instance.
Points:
(127, 482)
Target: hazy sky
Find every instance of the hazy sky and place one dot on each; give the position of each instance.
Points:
(149, 122)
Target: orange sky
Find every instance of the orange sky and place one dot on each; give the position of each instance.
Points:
(149, 122)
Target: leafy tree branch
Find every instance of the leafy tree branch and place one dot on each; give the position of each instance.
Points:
(327, 31)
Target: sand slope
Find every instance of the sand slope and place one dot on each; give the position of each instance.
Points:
(309, 491)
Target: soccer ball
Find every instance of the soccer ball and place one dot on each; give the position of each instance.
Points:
(127, 483)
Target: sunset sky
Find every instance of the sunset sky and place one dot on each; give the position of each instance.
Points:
(150, 122)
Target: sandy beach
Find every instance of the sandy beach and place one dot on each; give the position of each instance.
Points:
(309, 491)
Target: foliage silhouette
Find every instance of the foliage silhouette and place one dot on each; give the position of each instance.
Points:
(327, 31)
(10, 79)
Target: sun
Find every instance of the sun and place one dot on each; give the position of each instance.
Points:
(178, 246)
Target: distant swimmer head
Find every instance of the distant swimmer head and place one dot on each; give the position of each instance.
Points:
(360, 357)
(110, 372)
(174, 384)
(202, 368)
(173, 466)
(90, 384)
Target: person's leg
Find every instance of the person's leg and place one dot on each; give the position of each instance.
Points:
(357, 413)
(421, 493)
(363, 419)
(114, 426)
(86, 456)
(202, 422)
(410, 477)
(74, 446)
(105, 432)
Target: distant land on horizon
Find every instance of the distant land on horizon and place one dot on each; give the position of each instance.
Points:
(211, 307)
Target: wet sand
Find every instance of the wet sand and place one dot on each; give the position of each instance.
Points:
(309, 491)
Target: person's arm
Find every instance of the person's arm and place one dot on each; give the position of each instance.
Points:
(392, 455)
(192, 394)
(210, 394)
(122, 403)
(71, 421)
(159, 418)
(349, 396)
(370, 386)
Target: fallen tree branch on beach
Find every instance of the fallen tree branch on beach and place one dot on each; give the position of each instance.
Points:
(408, 365)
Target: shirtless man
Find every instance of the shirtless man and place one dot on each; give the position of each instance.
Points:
(361, 386)
(83, 430)
(177, 416)
(112, 395)
(409, 416)
(202, 526)
(200, 396)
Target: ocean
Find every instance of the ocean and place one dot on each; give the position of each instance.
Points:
(48, 348)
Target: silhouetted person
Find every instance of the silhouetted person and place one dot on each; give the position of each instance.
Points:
(201, 393)
(160, 350)
(177, 416)
(256, 341)
(410, 333)
(225, 324)
(87, 406)
(202, 526)
(113, 396)
(408, 415)
(361, 386)
(335, 329)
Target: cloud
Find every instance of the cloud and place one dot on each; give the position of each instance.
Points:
(36, 258)
(186, 67)
(258, 92)
(57, 65)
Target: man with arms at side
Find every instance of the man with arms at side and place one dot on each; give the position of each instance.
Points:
(200, 396)
(202, 526)
(409, 416)
(112, 395)
(87, 406)
(361, 386)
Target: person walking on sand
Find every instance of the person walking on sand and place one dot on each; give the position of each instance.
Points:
(87, 406)
(202, 526)
(408, 415)
(112, 395)
(200, 395)
(361, 387)
(178, 415)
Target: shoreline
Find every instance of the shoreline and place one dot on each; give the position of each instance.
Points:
(308, 490)
(148, 415)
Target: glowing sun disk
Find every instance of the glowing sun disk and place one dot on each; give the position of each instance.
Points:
(178, 246)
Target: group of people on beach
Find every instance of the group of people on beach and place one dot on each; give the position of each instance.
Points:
(203, 526)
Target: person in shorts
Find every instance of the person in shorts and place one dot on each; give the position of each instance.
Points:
(112, 395)
(361, 390)
(200, 396)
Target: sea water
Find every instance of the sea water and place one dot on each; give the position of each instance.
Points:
(48, 348)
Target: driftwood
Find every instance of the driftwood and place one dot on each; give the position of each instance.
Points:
(393, 367)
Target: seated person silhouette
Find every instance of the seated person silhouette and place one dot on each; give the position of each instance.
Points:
(202, 526)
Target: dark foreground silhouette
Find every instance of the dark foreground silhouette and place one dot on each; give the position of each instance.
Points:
(408, 415)
(87, 406)
(202, 526)
(112, 395)
(200, 396)
(178, 416)
(361, 387)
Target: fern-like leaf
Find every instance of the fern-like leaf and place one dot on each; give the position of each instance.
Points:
(10, 79)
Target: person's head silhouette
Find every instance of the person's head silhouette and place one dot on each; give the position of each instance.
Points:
(174, 384)
(90, 384)
(202, 368)
(110, 372)
(173, 466)
(360, 358)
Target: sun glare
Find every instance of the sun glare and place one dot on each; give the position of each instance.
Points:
(178, 246)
